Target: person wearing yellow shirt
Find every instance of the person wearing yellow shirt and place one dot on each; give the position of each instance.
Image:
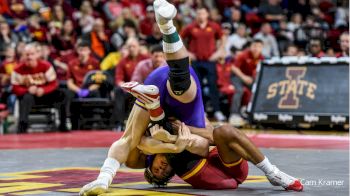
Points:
(110, 61)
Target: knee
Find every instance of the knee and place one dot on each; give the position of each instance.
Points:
(226, 132)
(27, 97)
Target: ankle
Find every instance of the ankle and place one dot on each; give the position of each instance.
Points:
(265, 166)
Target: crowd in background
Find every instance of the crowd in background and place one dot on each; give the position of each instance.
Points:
(48, 46)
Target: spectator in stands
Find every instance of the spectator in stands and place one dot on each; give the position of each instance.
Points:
(291, 51)
(238, 39)
(201, 34)
(270, 44)
(22, 31)
(243, 75)
(85, 17)
(236, 19)
(156, 37)
(145, 67)
(187, 12)
(223, 70)
(112, 9)
(119, 37)
(312, 28)
(17, 9)
(7, 38)
(344, 45)
(34, 83)
(39, 33)
(43, 51)
(78, 67)
(146, 24)
(58, 15)
(284, 36)
(111, 60)
(33, 5)
(6, 68)
(272, 12)
(295, 23)
(8, 64)
(64, 40)
(126, 15)
(316, 48)
(124, 72)
(98, 40)
(214, 15)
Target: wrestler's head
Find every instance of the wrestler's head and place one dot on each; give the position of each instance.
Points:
(159, 171)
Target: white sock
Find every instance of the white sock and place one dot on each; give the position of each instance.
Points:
(265, 166)
(108, 171)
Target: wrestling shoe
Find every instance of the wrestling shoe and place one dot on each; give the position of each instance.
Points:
(147, 94)
(279, 178)
(164, 11)
(236, 120)
(94, 188)
(219, 116)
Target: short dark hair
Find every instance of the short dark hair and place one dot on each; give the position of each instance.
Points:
(129, 23)
(156, 48)
(156, 181)
(258, 41)
(82, 44)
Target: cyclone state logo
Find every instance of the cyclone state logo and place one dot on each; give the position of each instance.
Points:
(292, 88)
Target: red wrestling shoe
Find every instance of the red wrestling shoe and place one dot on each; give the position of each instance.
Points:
(147, 94)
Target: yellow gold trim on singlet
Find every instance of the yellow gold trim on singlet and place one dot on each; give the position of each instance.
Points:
(140, 104)
(194, 171)
(231, 164)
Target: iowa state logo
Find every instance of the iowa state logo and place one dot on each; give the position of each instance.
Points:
(292, 89)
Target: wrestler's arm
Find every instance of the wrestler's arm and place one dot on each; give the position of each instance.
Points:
(186, 141)
(206, 132)
(149, 145)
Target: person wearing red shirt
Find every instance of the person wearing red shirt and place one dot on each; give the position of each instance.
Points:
(146, 25)
(78, 67)
(34, 82)
(202, 36)
(243, 75)
(123, 73)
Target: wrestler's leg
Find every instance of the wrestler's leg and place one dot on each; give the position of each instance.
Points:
(118, 153)
(181, 85)
(233, 144)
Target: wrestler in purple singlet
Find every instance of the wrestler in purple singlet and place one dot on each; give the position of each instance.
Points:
(192, 113)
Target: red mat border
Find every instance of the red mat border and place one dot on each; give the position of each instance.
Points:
(92, 139)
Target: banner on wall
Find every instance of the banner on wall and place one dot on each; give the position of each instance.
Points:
(301, 90)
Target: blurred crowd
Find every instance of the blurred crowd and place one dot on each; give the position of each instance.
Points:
(48, 46)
